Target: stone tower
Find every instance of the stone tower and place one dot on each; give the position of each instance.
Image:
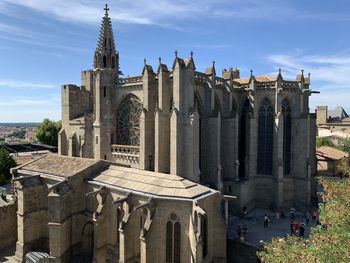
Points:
(321, 115)
(106, 72)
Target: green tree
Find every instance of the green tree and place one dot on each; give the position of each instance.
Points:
(344, 145)
(327, 244)
(323, 141)
(6, 163)
(47, 132)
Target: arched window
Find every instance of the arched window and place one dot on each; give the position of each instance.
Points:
(88, 243)
(104, 61)
(128, 121)
(287, 136)
(265, 137)
(244, 137)
(173, 239)
(113, 62)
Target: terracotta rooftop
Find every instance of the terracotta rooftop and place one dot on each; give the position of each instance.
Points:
(326, 152)
(26, 158)
(58, 165)
(243, 81)
(158, 184)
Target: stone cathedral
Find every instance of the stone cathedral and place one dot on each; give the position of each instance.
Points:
(252, 137)
(149, 167)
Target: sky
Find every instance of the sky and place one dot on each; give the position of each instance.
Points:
(47, 43)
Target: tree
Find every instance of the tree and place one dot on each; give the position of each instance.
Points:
(6, 163)
(327, 243)
(323, 141)
(47, 132)
(344, 145)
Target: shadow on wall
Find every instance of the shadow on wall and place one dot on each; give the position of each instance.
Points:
(240, 252)
(8, 221)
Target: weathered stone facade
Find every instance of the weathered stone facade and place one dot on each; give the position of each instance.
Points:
(251, 137)
(85, 210)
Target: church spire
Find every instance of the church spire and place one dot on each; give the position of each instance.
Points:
(105, 54)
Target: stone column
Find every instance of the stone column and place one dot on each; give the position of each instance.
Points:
(147, 119)
(279, 158)
(162, 122)
(31, 215)
(60, 223)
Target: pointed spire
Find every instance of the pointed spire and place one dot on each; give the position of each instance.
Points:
(105, 54)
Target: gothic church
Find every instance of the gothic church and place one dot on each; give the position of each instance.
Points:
(252, 137)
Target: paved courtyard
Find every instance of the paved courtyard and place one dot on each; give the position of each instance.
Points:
(254, 221)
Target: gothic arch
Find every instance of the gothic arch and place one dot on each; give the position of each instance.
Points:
(88, 240)
(244, 137)
(128, 120)
(265, 137)
(173, 239)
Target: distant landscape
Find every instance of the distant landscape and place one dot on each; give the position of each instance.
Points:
(19, 124)
(18, 132)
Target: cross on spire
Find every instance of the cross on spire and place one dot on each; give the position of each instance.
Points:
(106, 9)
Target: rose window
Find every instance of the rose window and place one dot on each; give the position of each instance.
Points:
(128, 121)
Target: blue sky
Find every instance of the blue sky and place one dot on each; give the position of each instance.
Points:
(47, 43)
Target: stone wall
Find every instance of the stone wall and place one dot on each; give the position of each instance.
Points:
(8, 225)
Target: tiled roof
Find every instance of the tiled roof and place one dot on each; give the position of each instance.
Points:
(326, 152)
(337, 114)
(58, 165)
(158, 184)
(25, 158)
(257, 78)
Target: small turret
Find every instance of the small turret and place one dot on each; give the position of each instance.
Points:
(105, 54)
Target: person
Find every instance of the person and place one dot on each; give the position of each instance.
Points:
(308, 216)
(239, 232)
(291, 227)
(244, 232)
(292, 214)
(278, 216)
(266, 221)
(302, 230)
(314, 215)
(296, 228)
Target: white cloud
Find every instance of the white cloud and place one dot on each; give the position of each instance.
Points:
(329, 74)
(25, 85)
(124, 11)
(165, 12)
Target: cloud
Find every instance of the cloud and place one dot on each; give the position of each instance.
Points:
(25, 85)
(124, 11)
(165, 12)
(329, 74)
